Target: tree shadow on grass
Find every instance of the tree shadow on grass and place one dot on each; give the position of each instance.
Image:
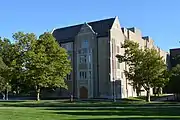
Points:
(99, 113)
(121, 113)
(67, 103)
(133, 113)
(62, 104)
(135, 118)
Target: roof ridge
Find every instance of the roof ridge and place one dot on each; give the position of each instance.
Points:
(101, 20)
(101, 27)
(69, 26)
(85, 22)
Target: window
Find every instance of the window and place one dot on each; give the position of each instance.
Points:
(113, 41)
(82, 51)
(122, 74)
(67, 46)
(113, 45)
(89, 74)
(69, 77)
(89, 67)
(89, 59)
(121, 44)
(83, 59)
(83, 75)
(69, 56)
(85, 44)
(118, 65)
(117, 49)
(63, 46)
(113, 64)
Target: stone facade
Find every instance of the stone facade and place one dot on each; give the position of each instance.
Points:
(93, 48)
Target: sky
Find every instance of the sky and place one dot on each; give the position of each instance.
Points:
(159, 19)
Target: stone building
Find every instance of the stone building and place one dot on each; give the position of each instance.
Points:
(92, 48)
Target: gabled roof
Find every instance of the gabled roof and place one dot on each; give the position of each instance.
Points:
(67, 34)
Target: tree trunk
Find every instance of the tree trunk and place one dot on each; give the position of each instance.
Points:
(148, 97)
(138, 92)
(18, 90)
(7, 94)
(38, 94)
(159, 91)
(3, 95)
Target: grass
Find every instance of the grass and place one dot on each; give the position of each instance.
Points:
(56, 103)
(143, 98)
(66, 103)
(51, 110)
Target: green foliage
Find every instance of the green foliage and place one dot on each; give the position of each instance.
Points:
(44, 62)
(48, 64)
(145, 67)
(6, 68)
(132, 57)
(153, 68)
(175, 79)
(32, 62)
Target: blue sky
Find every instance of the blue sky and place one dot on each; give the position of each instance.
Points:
(159, 19)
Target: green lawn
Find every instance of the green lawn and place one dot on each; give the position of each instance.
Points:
(51, 110)
(58, 103)
(143, 98)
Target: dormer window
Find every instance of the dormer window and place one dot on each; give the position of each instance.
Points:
(67, 46)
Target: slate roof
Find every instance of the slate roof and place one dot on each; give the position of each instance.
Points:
(67, 34)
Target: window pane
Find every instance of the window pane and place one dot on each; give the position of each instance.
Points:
(89, 65)
(118, 65)
(89, 58)
(117, 49)
(113, 64)
(67, 46)
(89, 74)
(122, 74)
(84, 44)
(69, 77)
(80, 75)
(63, 46)
(83, 59)
(85, 76)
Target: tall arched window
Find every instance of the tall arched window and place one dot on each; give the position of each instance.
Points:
(85, 44)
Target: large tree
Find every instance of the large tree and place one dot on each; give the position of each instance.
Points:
(161, 81)
(152, 69)
(22, 44)
(4, 82)
(132, 57)
(145, 66)
(45, 63)
(8, 55)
